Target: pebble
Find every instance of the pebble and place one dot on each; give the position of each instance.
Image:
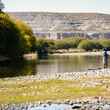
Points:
(65, 76)
(73, 105)
(92, 104)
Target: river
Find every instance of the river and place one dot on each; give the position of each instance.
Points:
(53, 64)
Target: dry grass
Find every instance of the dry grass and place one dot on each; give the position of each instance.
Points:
(18, 91)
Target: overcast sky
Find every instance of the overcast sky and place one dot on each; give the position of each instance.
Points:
(102, 6)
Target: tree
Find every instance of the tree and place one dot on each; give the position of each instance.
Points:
(29, 36)
(12, 41)
(86, 45)
(23, 27)
(42, 48)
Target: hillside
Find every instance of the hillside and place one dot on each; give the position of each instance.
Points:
(65, 22)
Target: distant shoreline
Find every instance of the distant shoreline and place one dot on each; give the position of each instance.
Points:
(80, 54)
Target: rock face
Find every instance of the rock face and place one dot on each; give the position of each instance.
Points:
(51, 23)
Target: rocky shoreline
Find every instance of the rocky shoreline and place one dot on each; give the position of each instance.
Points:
(94, 104)
(88, 103)
(98, 72)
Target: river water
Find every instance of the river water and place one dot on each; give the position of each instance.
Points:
(62, 64)
(53, 64)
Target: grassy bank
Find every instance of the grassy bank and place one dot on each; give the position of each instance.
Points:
(19, 91)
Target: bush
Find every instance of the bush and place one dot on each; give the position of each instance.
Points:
(10, 38)
(29, 36)
(13, 40)
(30, 43)
(62, 44)
(105, 43)
(90, 45)
(67, 43)
(86, 45)
(44, 46)
(23, 27)
(97, 44)
(74, 42)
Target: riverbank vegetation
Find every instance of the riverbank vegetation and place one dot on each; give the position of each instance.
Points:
(16, 38)
(75, 44)
(81, 43)
(43, 47)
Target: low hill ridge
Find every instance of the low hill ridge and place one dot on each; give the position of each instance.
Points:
(65, 22)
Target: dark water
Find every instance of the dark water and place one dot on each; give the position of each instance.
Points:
(17, 68)
(59, 64)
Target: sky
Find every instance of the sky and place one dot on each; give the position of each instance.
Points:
(102, 6)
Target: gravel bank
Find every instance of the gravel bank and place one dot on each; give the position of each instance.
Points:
(90, 103)
(95, 104)
(64, 76)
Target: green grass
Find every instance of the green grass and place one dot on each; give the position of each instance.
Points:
(18, 91)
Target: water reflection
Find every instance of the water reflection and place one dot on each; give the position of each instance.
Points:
(69, 64)
(17, 68)
(59, 64)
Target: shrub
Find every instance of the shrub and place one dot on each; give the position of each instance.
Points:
(74, 42)
(23, 27)
(86, 45)
(67, 43)
(96, 44)
(62, 44)
(44, 46)
(13, 40)
(29, 36)
(105, 43)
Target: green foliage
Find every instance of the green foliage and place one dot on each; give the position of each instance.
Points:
(12, 43)
(29, 37)
(67, 43)
(15, 40)
(44, 46)
(90, 45)
(105, 43)
(51, 45)
(30, 43)
(86, 45)
(23, 27)
(33, 46)
(97, 45)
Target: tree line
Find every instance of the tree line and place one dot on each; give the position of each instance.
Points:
(17, 38)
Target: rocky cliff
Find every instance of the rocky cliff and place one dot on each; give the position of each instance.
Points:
(65, 22)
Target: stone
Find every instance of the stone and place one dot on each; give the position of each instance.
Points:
(76, 106)
(106, 107)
